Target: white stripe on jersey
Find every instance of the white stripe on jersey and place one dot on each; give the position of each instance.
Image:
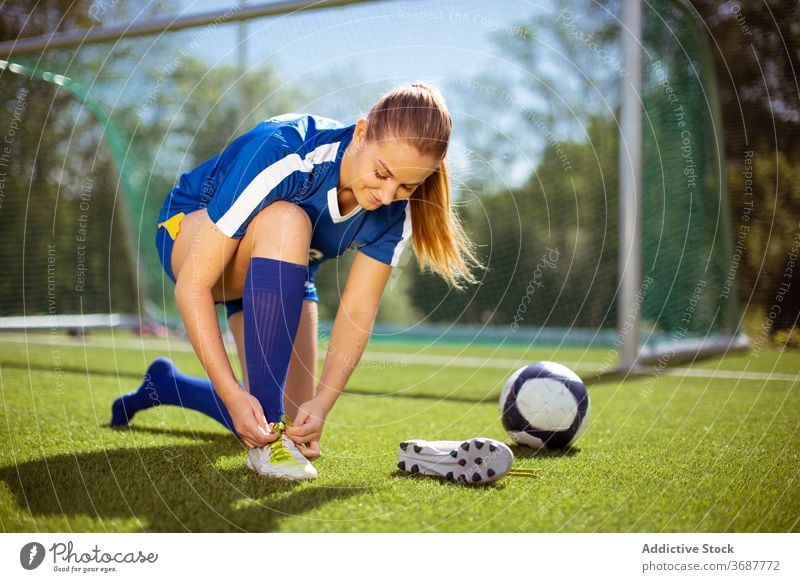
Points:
(401, 245)
(266, 181)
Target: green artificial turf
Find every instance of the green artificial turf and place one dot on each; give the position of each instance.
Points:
(662, 452)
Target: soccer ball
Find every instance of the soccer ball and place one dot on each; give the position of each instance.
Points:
(544, 405)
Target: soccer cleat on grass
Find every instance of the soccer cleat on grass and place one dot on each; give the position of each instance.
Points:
(478, 460)
(280, 459)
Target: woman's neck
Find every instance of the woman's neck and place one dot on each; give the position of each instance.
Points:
(347, 201)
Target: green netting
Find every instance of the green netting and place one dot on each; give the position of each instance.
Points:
(534, 93)
(65, 223)
(687, 239)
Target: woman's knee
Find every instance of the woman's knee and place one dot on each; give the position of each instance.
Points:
(281, 218)
(282, 230)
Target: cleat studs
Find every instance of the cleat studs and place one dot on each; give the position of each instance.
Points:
(449, 476)
(478, 461)
(479, 445)
(462, 477)
(465, 446)
(414, 469)
(476, 477)
(404, 446)
(453, 454)
(417, 448)
(490, 472)
(492, 448)
(401, 465)
(462, 462)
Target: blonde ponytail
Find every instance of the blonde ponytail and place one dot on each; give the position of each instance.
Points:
(439, 240)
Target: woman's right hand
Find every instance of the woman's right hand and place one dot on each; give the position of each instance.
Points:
(248, 419)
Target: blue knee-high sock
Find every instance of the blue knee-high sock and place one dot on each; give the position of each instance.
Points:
(273, 300)
(165, 384)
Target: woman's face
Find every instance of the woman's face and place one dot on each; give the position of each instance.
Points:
(380, 173)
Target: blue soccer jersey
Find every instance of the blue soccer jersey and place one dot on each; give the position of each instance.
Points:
(296, 158)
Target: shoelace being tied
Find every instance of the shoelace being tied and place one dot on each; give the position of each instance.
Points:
(278, 452)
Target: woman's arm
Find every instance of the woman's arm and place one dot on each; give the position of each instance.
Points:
(351, 331)
(209, 252)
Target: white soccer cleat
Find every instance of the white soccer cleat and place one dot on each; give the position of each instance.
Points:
(280, 459)
(477, 460)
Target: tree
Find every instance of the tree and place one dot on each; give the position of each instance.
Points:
(541, 269)
(756, 50)
(59, 207)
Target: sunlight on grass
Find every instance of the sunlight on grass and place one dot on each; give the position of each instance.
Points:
(661, 452)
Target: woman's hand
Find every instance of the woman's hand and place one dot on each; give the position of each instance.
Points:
(307, 427)
(310, 450)
(248, 419)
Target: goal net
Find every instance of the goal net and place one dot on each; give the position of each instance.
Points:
(107, 127)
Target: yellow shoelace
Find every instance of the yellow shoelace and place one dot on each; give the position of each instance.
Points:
(523, 473)
(279, 453)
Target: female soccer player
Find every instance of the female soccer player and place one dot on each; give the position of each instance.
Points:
(250, 227)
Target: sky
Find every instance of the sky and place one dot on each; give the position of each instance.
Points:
(359, 51)
(397, 39)
(343, 58)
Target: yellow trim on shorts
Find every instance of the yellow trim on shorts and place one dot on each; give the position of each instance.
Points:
(173, 224)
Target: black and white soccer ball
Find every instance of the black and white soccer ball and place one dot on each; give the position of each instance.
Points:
(544, 405)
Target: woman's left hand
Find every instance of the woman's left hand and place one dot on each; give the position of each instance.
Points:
(307, 427)
(311, 451)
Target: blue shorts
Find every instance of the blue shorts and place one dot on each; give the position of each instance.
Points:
(168, 230)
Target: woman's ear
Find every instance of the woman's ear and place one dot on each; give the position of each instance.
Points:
(361, 133)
